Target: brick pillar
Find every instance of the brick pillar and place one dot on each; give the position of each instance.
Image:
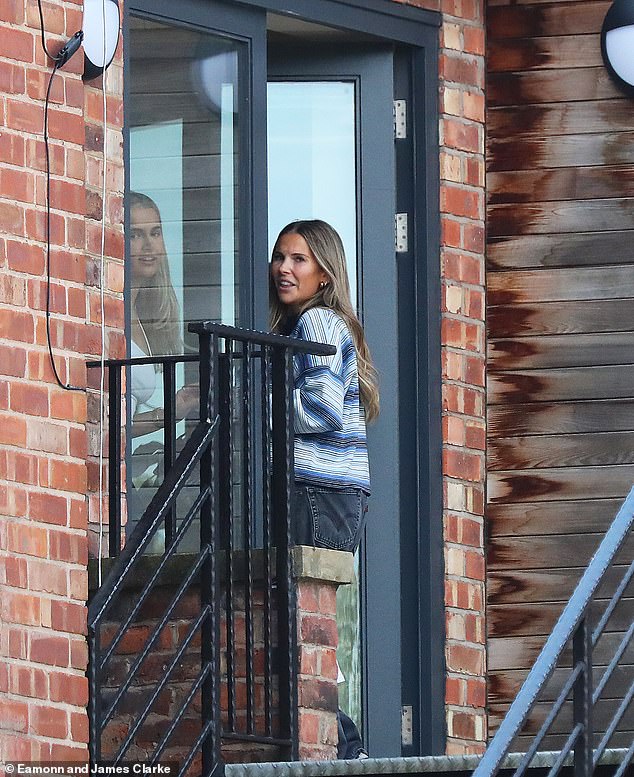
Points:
(462, 128)
(318, 574)
(43, 437)
(463, 362)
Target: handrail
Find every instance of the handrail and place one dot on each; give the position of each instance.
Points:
(564, 629)
(245, 406)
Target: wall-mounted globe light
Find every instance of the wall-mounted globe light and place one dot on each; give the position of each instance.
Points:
(101, 35)
(617, 43)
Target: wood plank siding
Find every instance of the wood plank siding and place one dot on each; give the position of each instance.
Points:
(560, 333)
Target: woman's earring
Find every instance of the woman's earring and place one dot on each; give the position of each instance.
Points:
(322, 284)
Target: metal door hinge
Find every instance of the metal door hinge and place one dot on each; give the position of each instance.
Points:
(400, 119)
(407, 729)
(401, 233)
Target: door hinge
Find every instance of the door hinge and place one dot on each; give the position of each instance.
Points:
(407, 728)
(400, 119)
(401, 233)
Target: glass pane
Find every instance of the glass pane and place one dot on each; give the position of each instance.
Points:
(312, 175)
(312, 159)
(182, 266)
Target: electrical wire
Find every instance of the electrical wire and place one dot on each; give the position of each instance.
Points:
(102, 408)
(58, 61)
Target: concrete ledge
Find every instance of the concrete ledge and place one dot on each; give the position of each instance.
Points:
(328, 566)
(455, 764)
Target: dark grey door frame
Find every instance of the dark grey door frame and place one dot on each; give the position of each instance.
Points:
(419, 272)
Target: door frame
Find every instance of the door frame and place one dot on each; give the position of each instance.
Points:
(417, 30)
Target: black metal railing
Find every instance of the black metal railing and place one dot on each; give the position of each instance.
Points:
(574, 624)
(236, 471)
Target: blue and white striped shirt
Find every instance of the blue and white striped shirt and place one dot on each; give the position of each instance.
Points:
(330, 437)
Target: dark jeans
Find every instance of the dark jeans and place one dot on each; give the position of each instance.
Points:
(328, 517)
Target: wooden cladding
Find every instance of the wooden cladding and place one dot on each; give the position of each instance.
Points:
(560, 331)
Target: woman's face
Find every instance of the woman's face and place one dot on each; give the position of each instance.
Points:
(147, 248)
(295, 271)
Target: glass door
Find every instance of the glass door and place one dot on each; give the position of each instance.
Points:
(191, 187)
(331, 156)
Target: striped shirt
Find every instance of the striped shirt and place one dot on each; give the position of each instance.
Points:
(330, 437)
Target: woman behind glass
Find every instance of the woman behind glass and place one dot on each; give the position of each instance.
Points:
(333, 396)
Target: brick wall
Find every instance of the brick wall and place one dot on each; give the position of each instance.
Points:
(48, 455)
(317, 573)
(43, 437)
(461, 106)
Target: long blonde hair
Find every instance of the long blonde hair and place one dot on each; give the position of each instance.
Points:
(327, 248)
(156, 304)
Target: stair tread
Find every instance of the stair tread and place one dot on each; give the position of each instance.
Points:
(412, 765)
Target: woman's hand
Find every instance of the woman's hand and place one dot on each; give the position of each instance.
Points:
(187, 402)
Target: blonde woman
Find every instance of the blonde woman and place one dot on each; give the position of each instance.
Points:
(333, 395)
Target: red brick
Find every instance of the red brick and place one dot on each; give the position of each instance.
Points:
(79, 654)
(12, 218)
(15, 325)
(19, 643)
(473, 38)
(454, 690)
(318, 630)
(17, 44)
(66, 126)
(68, 476)
(12, 81)
(462, 465)
(309, 726)
(451, 232)
(47, 576)
(17, 607)
(308, 659)
(29, 399)
(37, 84)
(38, 292)
(48, 721)
(12, 430)
(20, 183)
(474, 238)
(36, 227)
(475, 566)
(317, 694)
(460, 201)
(461, 135)
(475, 436)
(72, 548)
(465, 659)
(79, 726)
(458, 68)
(49, 649)
(476, 692)
(11, 146)
(463, 725)
(15, 571)
(29, 681)
(15, 715)
(24, 257)
(28, 117)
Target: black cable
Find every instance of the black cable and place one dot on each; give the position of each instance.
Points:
(67, 52)
(46, 51)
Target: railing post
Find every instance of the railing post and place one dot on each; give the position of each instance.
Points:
(169, 440)
(114, 460)
(209, 595)
(94, 696)
(582, 698)
(281, 505)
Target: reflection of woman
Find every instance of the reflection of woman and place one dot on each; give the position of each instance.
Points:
(155, 314)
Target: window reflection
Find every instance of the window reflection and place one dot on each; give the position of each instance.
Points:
(182, 243)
